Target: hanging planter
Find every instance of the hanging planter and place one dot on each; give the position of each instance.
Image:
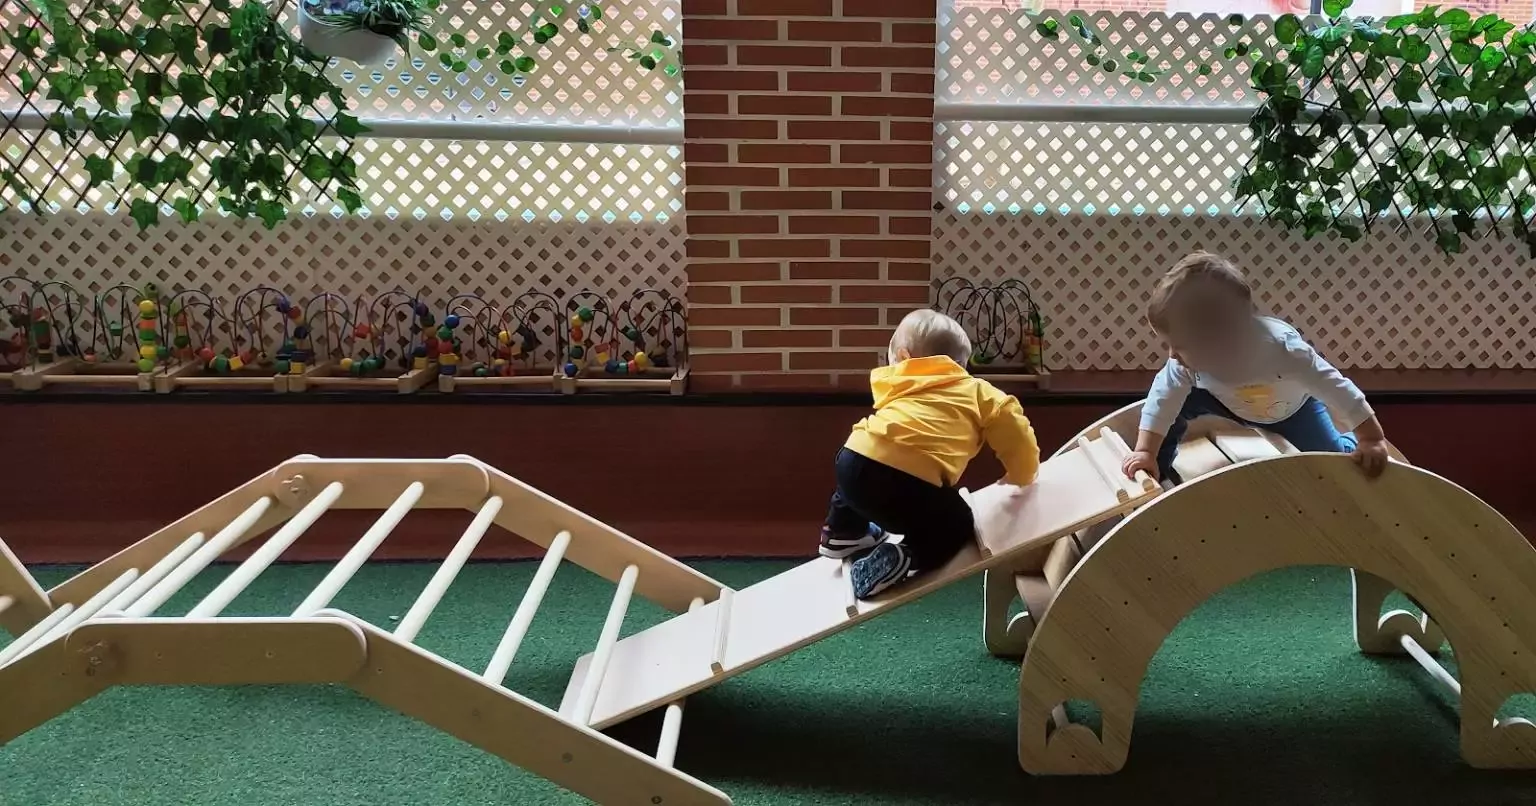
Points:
(367, 32)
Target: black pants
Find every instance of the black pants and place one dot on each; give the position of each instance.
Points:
(934, 522)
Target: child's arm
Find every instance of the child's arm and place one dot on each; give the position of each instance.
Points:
(1344, 400)
(1008, 432)
(1164, 400)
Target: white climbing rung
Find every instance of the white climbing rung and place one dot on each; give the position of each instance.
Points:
(517, 629)
(1430, 665)
(210, 551)
(672, 720)
(247, 572)
(722, 630)
(157, 572)
(604, 652)
(84, 612)
(38, 630)
(432, 594)
(350, 563)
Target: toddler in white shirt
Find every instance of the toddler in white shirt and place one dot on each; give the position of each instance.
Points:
(1227, 360)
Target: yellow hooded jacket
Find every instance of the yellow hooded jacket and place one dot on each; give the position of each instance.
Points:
(931, 418)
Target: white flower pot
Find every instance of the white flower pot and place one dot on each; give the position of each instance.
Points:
(363, 47)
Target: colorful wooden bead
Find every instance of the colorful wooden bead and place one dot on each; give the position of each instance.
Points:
(282, 305)
(642, 360)
(206, 354)
(584, 313)
(146, 364)
(220, 364)
(571, 370)
(451, 321)
(301, 332)
(418, 362)
(632, 367)
(235, 363)
(481, 371)
(295, 314)
(577, 334)
(183, 342)
(577, 351)
(281, 366)
(90, 357)
(445, 333)
(147, 351)
(346, 364)
(148, 309)
(361, 331)
(162, 352)
(504, 337)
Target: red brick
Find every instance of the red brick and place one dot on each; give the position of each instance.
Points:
(919, 32)
(784, 8)
(786, 382)
(909, 177)
(921, 83)
(832, 82)
(731, 29)
(821, 31)
(834, 270)
(895, 313)
(786, 338)
(827, 360)
(897, 225)
(732, 316)
(733, 272)
(785, 293)
(855, 337)
(915, 272)
(786, 200)
(785, 55)
(706, 200)
(831, 316)
(708, 295)
(852, 381)
(783, 247)
(918, 130)
(915, 9)
(730, 129)
(784, 105)
(830, 225)
(700, 8)
(706, 152)
(698, 103)
(886, 248)
(697, 247)
(731, 176)
(732, 79)
(912, 294)
(887, 199)
(834, 177)
(733, 224)
(735, 362)
(711, 339)
(786, 153)
(834, 130)
(891, 154)
(878, 57)
(874, 106)
(707, 55)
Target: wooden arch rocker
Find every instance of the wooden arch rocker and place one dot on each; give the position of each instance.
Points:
(1094, 621)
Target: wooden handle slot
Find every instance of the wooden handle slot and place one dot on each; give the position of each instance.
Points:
(1106, 474)
(722, 630)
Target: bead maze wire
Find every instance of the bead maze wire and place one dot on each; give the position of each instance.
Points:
(15, 323)
(1003, 321)
(58, 309)
(491, 341)
(117, 313)
(332, 327)
(260, 327)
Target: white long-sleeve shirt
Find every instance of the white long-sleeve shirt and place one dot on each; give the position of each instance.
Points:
(1279, 375)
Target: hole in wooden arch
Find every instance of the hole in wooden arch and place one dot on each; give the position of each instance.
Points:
(1517, 709)
(1075, 712)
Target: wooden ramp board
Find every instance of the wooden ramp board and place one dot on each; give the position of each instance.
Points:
(812, 601)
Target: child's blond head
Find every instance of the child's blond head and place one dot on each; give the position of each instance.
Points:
(925, 332)
(1199, 291)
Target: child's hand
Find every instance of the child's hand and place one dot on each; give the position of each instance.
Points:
(1137, 461)
(1371, 455)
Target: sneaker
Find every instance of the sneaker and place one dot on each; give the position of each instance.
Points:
(840, 547)
(887, 565)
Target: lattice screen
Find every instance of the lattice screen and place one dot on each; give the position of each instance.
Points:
(1089, 214)
(445, 216)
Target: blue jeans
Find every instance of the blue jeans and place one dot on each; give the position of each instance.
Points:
(1310, 429)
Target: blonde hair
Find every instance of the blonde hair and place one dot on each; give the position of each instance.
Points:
(1170, 296)
(925, 332)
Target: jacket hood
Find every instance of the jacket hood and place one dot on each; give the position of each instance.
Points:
(913, 375)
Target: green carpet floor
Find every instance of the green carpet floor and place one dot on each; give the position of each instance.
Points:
(1258, 698)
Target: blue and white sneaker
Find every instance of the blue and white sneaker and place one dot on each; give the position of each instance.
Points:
(841, 547)
(889, 564)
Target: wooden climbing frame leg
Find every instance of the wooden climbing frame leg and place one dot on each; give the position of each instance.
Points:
(1006, 636)
(1378, 633)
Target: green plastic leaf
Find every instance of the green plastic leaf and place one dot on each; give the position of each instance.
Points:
(1490, 58)
(1498, 31)
(1205, 69)
(1286, 29)
(1234, 20)
(1414, 49)
(1335, 8)
(349, 199)
(191, 88)
(1110, 65)
(271, 213)
(156, 10)
(583, 26)
(549, 29)
(658, 37)
(1455, 17)
(1483, 23)
(525, 64)
(144, 213)
(1465, 53)
(1449, 242)
(186, 209)
(557, 10)
(316, 168)
(144, 123)
(349, 126)
(100, 170)
(1092, 59)
(1076, 21)
(445, 59)
(647, 62)
(507, 67)
(1312, 61)
(426, 41)
(1048, 28)
(458, 40)
(1394, 117)
(597, 11)
(157, 43)
(219, 40)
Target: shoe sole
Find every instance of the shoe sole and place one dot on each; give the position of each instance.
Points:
(844, 552)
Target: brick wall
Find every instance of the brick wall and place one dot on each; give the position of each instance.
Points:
(809, 168)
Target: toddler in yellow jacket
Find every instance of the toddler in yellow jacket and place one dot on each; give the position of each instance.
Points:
(898, 472)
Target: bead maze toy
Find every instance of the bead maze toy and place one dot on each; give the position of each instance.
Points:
(217, 346)
(640, 347)
(114, 341)
(388, 343)
(15, 326)
(1148, 557)
(501, 347)
(1006, 329)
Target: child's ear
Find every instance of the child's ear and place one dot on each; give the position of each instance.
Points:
(903, 354)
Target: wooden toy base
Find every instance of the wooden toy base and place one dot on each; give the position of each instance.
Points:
(197, 376)
(669, 381)
(331, 376)
(1023, 377)
(531, 381)
(73, 372)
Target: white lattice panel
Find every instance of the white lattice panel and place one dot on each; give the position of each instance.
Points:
(1390, 301)
(349, 256)
(993, 55)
